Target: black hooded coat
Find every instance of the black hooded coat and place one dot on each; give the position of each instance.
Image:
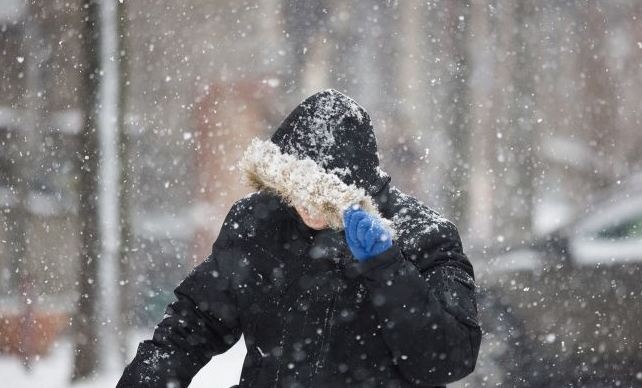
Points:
(311, 314)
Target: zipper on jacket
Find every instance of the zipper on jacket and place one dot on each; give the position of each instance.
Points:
(328, 324)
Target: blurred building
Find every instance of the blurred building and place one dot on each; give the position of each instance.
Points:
(39, 121)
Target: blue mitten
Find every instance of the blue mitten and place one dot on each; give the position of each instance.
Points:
(365, 234)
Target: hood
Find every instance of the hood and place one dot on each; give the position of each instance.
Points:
(334, 131)
(323, 156)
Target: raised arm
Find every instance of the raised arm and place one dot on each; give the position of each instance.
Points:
(424, 296)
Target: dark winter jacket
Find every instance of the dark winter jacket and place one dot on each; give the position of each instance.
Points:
(311, 315)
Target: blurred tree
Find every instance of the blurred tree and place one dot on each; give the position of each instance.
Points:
(304, 20)
(85, 322)
(458, 104)
(598, 93)
(127, 187)
(520, 167)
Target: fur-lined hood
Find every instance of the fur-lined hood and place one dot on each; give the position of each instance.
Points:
(302, 182)
(322, 157)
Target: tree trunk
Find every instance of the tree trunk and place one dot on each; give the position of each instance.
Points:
(126, 191)
(523, 140)
(599, 94)
(85, 322)
(458, 124)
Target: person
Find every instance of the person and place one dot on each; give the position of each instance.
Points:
(386, 301)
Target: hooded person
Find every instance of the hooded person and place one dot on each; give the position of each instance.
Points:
(382, 297)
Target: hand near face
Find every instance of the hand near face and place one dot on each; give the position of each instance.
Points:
(366, 235)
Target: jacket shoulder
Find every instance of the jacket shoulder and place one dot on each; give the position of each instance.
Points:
(413, 219)
(425, 236)
(251, 216)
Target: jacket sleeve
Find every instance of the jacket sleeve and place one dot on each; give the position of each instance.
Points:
(424, 298)
(202, 322)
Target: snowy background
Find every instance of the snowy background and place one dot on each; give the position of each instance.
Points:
(121, 121)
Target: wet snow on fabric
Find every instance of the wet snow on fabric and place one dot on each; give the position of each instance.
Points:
(316, 129)
(415, 220)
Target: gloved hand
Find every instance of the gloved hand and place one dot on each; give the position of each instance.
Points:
(365, 234)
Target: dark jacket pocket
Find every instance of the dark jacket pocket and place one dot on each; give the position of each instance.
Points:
(461, 301)
(459, 295)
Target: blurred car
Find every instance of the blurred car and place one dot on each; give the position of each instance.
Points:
(567, 309)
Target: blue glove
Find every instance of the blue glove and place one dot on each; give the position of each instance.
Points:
(365, 234)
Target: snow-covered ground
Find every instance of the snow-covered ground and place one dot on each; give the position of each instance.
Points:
(54, 370)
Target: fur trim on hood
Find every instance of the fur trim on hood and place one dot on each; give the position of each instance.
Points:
(302, 182)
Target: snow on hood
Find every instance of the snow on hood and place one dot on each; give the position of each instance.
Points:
(303, 182)
(334, 131)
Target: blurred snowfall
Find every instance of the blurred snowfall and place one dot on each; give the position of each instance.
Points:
(120, 123)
